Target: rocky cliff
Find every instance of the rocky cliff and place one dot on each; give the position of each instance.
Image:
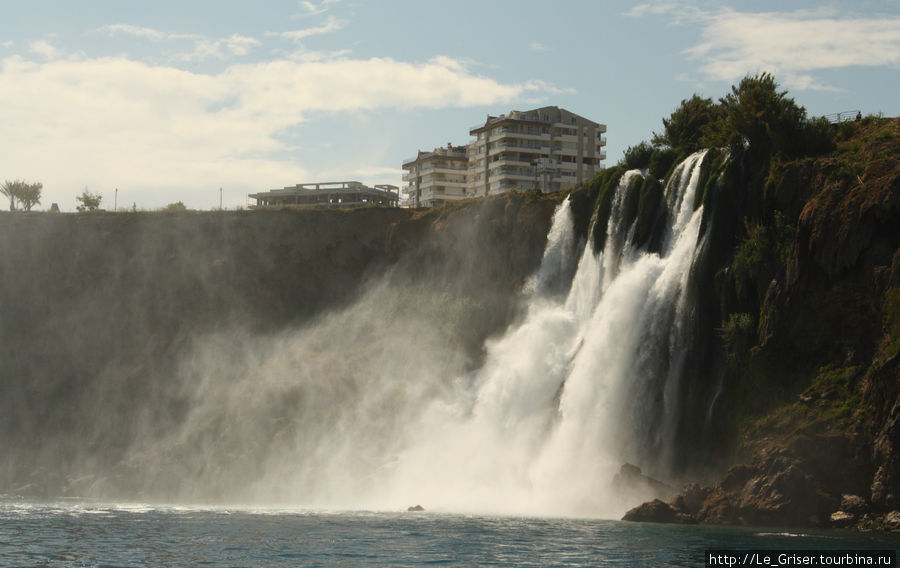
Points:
(809, 300)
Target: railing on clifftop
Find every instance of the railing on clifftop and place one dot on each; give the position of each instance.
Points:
(844, 116)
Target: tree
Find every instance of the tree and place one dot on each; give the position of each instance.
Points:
(637, 157)
(28, 194)
(757, 119)
(11, 189)
(174, 207)
(89, 201)
(683, 130)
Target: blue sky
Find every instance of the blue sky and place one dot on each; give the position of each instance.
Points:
(170, 101)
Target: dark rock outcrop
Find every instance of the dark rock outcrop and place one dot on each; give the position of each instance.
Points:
(630, 479)
(657, 511)
(820, 444)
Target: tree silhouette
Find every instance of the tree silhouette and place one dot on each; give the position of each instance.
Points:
(28, 194)
(89, 201)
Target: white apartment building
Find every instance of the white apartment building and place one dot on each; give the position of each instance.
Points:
(548, 148)
(433, 178)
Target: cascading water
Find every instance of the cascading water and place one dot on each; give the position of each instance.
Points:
(582, 384)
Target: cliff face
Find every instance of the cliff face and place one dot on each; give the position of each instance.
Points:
(100, 313)
(814, 377)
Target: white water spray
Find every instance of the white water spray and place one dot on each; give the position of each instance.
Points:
(581, 384)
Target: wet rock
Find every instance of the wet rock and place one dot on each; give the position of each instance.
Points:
(657, 511)
(630, 478)
(853, 504)
(841, 519)
(892, 521)
(691, 499)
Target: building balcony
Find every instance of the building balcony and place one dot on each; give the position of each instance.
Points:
(516, 177)
(515, 133)
(447, 183)
(442, 193)
(508, 161)
(543, 146)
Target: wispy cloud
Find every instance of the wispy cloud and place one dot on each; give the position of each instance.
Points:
(793, 45)
(144, 32)
(315, 8)
(652, 8)
(676, 12)
(332, 24)
(220, 48)
(44, 48)
(538, 47)
(201, 47)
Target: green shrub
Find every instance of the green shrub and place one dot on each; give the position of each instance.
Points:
(661, 162)
(738, 334)
(637, 157)
(683, 130)
(757, 120)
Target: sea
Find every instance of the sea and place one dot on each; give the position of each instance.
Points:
(94, 534)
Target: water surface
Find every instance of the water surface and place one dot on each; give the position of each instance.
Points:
(69, 534)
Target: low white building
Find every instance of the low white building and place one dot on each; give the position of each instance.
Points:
(328, 194)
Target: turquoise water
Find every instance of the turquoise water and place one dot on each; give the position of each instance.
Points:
(84, 534)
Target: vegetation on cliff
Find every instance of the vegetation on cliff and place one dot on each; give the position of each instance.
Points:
(799, 278)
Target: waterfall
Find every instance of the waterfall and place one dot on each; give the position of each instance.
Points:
(586, 381)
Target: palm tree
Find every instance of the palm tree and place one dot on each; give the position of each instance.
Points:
(12, 190)
(28, 194)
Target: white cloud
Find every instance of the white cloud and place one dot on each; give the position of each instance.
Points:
(241, 45)
(155, 128)
(537, 47)
(203, 47)
(677, 12)
(44, 48)
(314, 9)
(219, 48)
(794, 44)
(144, 32)
(332, 24)
(649, 8)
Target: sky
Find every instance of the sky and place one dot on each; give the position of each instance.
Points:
(151, 103)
